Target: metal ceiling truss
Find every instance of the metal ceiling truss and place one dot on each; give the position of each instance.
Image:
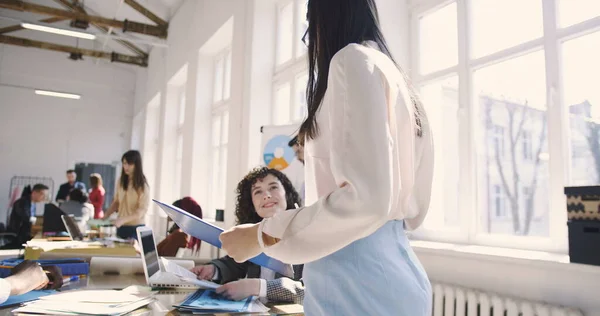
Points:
(80, 19)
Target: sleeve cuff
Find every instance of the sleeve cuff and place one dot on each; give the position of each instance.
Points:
(5, 289)
(216, 275)
(261, 242)
(263, 288)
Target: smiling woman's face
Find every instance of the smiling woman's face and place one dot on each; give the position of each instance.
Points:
(268, 196)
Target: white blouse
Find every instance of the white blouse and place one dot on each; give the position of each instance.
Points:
(363, 169)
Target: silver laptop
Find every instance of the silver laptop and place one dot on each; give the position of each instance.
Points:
(72, 227)
(169, 275)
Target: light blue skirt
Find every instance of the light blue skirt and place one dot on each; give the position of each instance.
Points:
(378, 275)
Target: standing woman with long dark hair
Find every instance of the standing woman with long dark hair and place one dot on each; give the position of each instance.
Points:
(369, 172)
(133, 196)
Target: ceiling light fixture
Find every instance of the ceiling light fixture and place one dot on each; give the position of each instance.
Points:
(58, 94)
(54, 30)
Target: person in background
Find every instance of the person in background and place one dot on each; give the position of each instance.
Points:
(71, 184)
(78, 206)
(25, 277)
(369, 172)
(298, 149)
(22, 216)
(133, 196)
(299, 152)
(97, 194)
(178, 238)
(261, 194)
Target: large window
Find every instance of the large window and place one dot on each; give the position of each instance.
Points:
(581, 64)
(495, 77)
(220, 131)
(289, 86)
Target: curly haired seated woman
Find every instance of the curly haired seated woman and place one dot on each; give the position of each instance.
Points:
(261, 194)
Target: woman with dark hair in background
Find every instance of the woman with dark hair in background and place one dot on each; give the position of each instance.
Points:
(369, 172)
(177, 238)
(133, 196)
(97, 194)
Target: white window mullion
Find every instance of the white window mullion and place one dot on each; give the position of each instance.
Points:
(467, 117)
(558, 120)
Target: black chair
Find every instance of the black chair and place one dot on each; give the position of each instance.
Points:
(6, 238)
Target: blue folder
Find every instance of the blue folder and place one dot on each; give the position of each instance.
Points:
(33, 295)
(208, 301)
(209, 233)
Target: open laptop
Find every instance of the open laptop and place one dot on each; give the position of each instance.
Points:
(169, 275)
(72, 227)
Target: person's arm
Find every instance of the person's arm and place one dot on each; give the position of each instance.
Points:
(80, 185)
(95, 197)
(112, 208)
(228, 270)
(360, 160)
(63, 191)
(282, 290)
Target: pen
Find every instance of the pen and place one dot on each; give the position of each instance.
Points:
(69, 279)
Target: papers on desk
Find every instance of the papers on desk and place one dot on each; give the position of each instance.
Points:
(52, 245)
(208, 302)
(92, 302)
(33, 295)
(186, 275)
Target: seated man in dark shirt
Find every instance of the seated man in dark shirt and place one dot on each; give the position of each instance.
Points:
(22, 215)
(71, 184)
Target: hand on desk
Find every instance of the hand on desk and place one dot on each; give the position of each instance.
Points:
(27, 276)
(204, 272)
(240, 289)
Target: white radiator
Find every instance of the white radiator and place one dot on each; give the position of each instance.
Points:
(451, 300)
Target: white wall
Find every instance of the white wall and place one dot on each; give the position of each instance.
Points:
(44, 136)
(189, 32)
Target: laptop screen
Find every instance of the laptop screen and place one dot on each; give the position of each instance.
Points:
(72, 227)
(150, 255)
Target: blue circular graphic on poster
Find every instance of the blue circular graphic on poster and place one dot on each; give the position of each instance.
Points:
(277, 154)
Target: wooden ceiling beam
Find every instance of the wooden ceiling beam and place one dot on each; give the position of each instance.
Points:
(113, 57)
(126, 26)
(18, 27)
(132, 47)
(147, 13)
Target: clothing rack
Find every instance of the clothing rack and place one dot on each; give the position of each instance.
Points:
(18, 183)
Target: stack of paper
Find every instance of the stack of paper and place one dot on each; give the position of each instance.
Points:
(186, 275)
(92, 302)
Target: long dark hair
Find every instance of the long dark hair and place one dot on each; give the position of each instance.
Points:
(133, 157)
(244, 208)
(332, 25)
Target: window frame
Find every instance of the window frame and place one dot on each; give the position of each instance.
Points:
(218, 110)
(469, 230)
(179, 138)
(289, 71)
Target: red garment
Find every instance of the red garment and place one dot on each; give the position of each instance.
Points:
(191, 206)
(97, 199)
